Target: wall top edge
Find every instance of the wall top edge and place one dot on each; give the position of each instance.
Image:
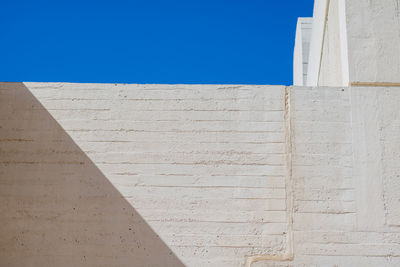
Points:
(137, 84)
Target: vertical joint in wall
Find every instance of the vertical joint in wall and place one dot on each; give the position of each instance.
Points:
(288, 254)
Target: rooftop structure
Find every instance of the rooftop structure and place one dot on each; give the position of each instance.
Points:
(352, 43)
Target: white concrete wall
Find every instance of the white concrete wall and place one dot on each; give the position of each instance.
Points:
(316, 43)
(345, 173)
(377, 152)
(322, 172)
(198, 175)
(328, 59)
(354, 42)
(330, 73)
(373, 29)
(82, 165)
(301, 51)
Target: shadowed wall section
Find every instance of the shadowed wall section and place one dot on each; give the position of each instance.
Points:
(204, 165)
(57, 208)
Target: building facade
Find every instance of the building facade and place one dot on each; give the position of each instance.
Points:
(215, 175)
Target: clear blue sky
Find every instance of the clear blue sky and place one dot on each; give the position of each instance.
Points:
(149, 41)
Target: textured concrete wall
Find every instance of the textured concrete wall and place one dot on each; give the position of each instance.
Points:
(327, 59)
(345, 176)
(349, 161)
(330, 72)
(84, 164)
(354, 42)
(377, 153)
(373, 29)
(198, 175)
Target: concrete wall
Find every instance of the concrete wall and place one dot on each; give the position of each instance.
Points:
(301, 51)
(345, 176)
(373, 29)
(330, 72)
(354, 42)
(316, 42)
(327, 59)
(333, 58)
(198, 175)
(141, 175)
(345, 171)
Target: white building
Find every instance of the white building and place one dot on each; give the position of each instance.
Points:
(349, 43)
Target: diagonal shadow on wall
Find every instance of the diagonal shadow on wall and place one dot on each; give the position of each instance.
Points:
(57, 208)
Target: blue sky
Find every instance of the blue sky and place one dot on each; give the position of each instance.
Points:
(149, 41)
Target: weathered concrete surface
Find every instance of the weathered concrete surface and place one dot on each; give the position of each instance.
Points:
(198, 175)
(373, 29)
(57, 207)
(81, 164)
(377, 152)
(345, 173)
